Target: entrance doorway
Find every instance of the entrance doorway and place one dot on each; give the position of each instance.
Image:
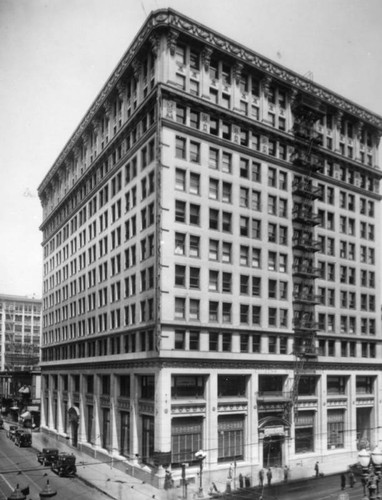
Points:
(272, 451)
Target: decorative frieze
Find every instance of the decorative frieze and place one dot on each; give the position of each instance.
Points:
(230, 407)
(365, 401)
(123, 403)
(104, 400)
(175, 22)
(146, 408)
(89, 399)
(337, 402)
(188, 409)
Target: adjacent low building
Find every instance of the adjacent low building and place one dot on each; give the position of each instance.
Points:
(211, 264)
(20, 332)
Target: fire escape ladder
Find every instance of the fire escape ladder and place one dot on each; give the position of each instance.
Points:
(307, 110)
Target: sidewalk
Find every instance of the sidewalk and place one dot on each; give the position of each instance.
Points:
(119, 485)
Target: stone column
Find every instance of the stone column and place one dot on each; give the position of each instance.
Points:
(321, 423)
(350, 440)
(211, 422)
(162, 420)
(135, 429)
(114, 414)
(60, 406)
(82, 407)
(252, 448)
(97, 411)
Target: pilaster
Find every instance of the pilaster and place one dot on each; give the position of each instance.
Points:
(162, 431)
(210, 441)
(114, 385)
(135, 429)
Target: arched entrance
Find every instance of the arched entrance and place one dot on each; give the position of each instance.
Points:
(272, 433)
(74, 420)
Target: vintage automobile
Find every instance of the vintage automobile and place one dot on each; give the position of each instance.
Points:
(12, 431)
(23, 438)
(47, 456)
(64, 465)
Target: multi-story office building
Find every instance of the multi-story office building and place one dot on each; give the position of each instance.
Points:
(210, 239)
(20, 331)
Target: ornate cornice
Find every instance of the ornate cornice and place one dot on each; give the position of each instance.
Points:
(176, 22)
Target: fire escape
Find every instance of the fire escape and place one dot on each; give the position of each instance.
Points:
(307, 111)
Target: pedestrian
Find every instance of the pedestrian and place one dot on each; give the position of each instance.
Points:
(269, 476)
(343, 481)
(261, 477)
(168, 481)
(286, 473)
(351, 479)
(317, 469)
(241, 481)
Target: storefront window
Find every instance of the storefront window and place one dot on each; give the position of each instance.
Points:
(125, 434)
(105, 436)
(304, 432)
(230, 438)
(89, 423)
(336, 420)
(147, 439)
(186, 439)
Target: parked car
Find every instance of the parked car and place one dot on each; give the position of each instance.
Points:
(47, 456)
(64, 465)
(23, 438)
(11, 432)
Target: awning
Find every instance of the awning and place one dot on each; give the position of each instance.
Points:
(26, 415)
(33, 408)
(24, 390)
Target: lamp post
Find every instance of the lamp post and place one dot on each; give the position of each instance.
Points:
(200, 455)
(371, 464)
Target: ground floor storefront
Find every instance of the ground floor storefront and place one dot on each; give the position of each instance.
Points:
(214, 423)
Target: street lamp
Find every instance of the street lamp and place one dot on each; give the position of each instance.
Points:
(200, 455)
(371, 475)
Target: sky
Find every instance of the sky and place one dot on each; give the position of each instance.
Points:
(55, 56)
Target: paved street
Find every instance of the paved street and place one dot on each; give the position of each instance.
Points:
(20, 466)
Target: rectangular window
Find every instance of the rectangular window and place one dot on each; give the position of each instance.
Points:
(186, 439)
(230, 438)
(180, 148)
(335, 428)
